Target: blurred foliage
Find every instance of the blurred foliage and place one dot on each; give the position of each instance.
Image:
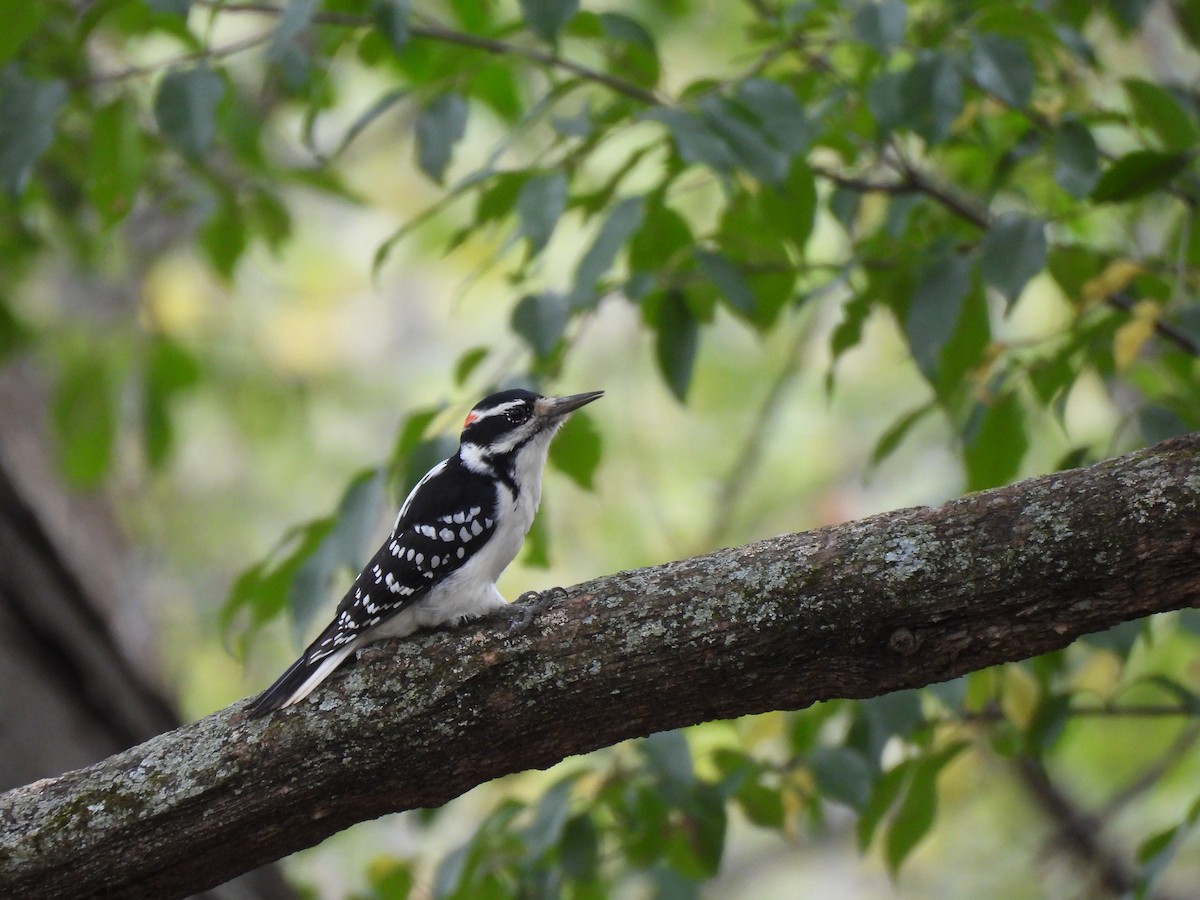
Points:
(925, 163)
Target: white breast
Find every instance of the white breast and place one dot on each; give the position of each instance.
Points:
(470, 591)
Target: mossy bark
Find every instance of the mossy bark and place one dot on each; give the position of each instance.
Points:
(894, 601)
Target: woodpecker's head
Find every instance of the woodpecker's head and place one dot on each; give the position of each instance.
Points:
(507, 422)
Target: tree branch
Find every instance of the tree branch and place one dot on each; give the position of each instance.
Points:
(1079, 833)
(434, 31)
(894, 601)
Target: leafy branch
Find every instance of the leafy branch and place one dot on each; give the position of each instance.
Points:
(431, 30)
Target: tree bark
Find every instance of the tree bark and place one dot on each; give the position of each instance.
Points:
(895, 601)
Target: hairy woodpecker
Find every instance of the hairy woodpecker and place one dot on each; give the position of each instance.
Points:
(457, 531)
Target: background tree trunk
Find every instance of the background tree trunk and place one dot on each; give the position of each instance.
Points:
(76, 648)
(895, 601)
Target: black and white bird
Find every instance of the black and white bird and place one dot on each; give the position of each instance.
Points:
(457, 531)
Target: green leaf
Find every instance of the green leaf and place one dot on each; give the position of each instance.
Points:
(21, 19)
(893, 714)
(14, 333)
(412, 436)
(391, 20)
(1128, 14)
(170, 370)
(85, 421)
(1002, 67)
(541, 319)
(116, 159)
(28, 114)
(1154, 107)
(670, 884)
(896, 432)
(473, 15)
(881, 25)
(499, 199)
(391, 879)
(545, 18)
(934, 309)
(185, 109)
(415, 454)
(295, 17)
(342, 549)
(263, 589)
(273, 221)
(931, 96)
(917, 810)
(580, 848)
(696, 849)
(883, 796)
(1013, 251)
(623, 221)
(780, 114)
(1137, 174)
(663, 236)
(758, 156)
(1047, 723)
(630, 49)
(669, 756)
(439, 127)
(1077, 159)
(676, 337)
(1187, 17)
(468, 363)
(762, 805)
(223, 236)
(550, 817)
(540, 204)
(993, 456)
(576, 450)
(1120, 639)
(848, 332)
(172, 7)
(729, 281)
(497, 87)
(448, 877)
(694, 141)
(843, 775)
(886, 101)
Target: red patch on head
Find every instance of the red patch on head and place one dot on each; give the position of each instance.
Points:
(471, 417)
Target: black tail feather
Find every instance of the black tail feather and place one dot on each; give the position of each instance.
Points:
(280, 693)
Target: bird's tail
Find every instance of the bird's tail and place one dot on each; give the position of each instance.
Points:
(298, 681)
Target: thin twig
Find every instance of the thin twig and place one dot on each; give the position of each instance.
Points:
(969, 211)
(740, 474)
(1185, 342)
(1078, 831)
(1179, 749)
(446, 35)
(230, 49)
(964, 207)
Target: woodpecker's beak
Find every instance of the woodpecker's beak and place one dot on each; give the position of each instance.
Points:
(553, 408)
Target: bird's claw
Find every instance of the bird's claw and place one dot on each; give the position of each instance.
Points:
(530, 604)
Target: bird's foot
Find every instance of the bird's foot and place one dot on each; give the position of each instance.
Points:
(530, 604)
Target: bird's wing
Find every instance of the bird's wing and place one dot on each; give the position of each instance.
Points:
(441, 525)
(444, 522)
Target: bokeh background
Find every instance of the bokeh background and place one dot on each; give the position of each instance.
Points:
(287, 354)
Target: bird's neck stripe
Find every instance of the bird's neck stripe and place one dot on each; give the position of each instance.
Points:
(476, 459)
